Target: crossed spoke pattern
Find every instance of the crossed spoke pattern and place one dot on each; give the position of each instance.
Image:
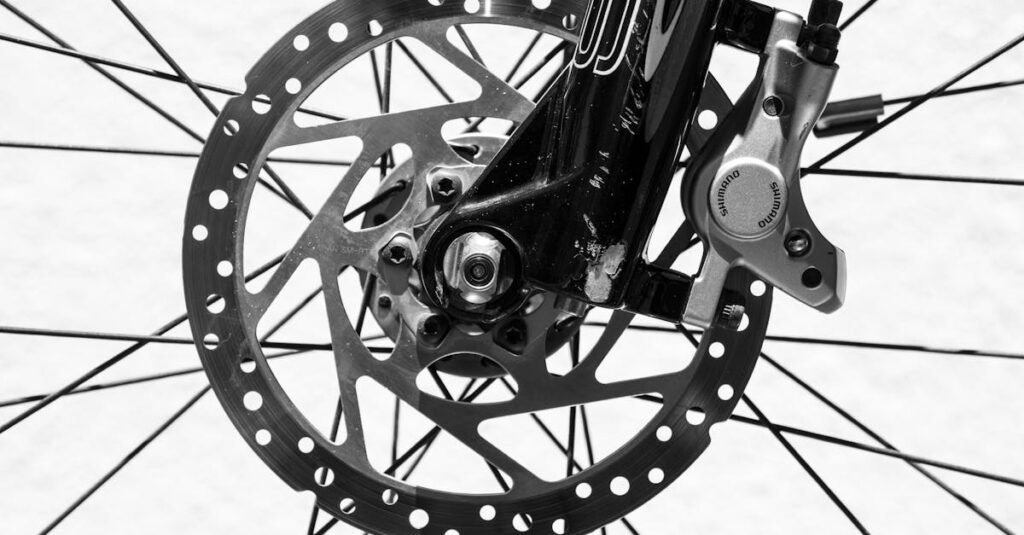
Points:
(578, 422)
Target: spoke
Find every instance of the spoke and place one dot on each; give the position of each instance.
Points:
(917, 103)
(464, 37)
(431, 435)
(171, 62)
(546, 85)
(878, 438)
(547, 430)
(857, 14)
(962, 91)
(423, 452)
(845, 343)
(419, 66)
(558, 49)
(796, 431)
(805, 465)
(125, 87)
(440, 383)
(574, 352)
(522, 58)
(128, 458)
(89, 375)
(95, 60)
(105, 73)
(291, 197)
(149, 152)
(917, 176)
(327, 527)
(570, 450)
(396, 420)
(426, 73)
(917, 459)
(383, 97)
(387, 159)
(291, 315)
(586, 434)
(383, 196)
(447, 395)
(41, 404)
(368, 287)
(497, 476)
(570, 454)
(158, 339)
(897, 347)
(133, 381)
(335, 427)
(508, 78)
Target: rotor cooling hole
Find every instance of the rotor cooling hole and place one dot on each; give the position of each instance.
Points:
(419, 519)
(619, 486)
(324, 476)
(261, 104)
(231, 127)
(337, 32)
(522, 522)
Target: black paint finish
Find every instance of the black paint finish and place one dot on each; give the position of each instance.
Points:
(599, 151)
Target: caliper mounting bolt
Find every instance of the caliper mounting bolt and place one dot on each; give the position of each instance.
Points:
(384, 302)
(798, 243)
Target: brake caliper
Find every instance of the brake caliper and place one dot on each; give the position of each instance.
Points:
(742, 191)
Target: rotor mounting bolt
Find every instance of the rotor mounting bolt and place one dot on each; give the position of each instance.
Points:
(445, 188)
(433, 329)
(512, 336)
(774, 106)
(397, 252)
(798, 243)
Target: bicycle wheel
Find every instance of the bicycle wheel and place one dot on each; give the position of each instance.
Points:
(420, 95)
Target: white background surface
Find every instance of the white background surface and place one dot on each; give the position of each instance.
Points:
(92, 242)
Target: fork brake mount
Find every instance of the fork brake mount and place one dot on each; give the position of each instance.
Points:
(576, 191)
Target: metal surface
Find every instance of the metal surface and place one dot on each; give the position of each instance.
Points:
(473, 268)
(336, 247)
(743, 191)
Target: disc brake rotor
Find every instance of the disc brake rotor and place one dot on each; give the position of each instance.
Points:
(357, 493)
